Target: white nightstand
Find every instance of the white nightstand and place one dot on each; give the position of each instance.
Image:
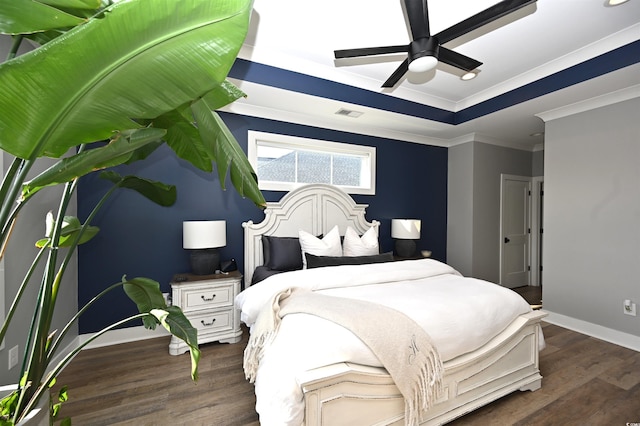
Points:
(208, 302)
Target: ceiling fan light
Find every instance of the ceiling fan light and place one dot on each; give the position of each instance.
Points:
(469, 76)
(423, 64)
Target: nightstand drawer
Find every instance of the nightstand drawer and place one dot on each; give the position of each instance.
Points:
(203, 298)
(212, 322)
(207, 301)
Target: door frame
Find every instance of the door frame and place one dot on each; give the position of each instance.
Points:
(537, 195)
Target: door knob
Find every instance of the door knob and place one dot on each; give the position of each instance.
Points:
(506, 240)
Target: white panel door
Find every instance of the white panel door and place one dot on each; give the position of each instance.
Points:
(514, 231)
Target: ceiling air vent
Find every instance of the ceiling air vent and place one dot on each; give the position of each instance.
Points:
(348, 113)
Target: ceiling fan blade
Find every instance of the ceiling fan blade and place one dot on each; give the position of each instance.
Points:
(418, 15)
(369, 51)
(397, 74)
(457, 60)
(486, 16)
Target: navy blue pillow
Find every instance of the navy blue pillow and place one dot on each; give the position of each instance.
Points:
(281, 253)
(261, 273)
(320, 261)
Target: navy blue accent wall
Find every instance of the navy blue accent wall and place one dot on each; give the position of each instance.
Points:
(139, 238)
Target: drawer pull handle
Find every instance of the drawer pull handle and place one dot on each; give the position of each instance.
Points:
(207, 324)
(208, 299)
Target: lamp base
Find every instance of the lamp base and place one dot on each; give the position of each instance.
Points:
(405, 248)
(205, 261)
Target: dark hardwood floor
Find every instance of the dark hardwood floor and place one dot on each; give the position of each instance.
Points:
(532, 294)
(586, 382)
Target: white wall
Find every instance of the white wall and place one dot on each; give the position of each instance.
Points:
(537, 167)
(592, 216)
(473, 205)
(460, 208)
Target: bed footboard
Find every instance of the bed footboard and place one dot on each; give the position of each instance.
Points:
(350, 394)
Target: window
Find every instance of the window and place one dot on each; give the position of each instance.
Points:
(286, 162)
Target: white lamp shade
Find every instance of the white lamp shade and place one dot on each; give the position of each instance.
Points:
(407, 229)
(202, 234)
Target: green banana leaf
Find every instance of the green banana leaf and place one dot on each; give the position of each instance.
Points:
(216, 137)
(29, 16)
(175, 322)
(158, 192)
(112, 111)
(118, 151)
(183, 135)
(145, 293)
(71, 226)
(73, 4)
(147, 297)
(138, 60)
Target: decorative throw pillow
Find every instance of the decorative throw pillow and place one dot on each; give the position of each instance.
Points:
(320, 261)
(281, 253)
(354, 245)
(329, 245)
(262, 273)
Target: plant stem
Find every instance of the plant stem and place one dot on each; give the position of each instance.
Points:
(7, 183)
(21, 289)
(38, 338)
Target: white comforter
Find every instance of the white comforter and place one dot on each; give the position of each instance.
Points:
(460, 314)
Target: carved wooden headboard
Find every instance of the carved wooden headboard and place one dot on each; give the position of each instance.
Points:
(315, 208)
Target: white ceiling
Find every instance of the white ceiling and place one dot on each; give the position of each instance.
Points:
(536, 41)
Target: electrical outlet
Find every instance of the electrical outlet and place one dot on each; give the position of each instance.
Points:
(13, 357)
(629, 308)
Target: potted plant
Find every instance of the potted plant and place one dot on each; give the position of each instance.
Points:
(106, 83)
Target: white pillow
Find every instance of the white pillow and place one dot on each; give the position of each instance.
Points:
(354, 245)
(329, 245)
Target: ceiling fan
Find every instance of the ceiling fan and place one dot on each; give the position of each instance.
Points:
(425, 50)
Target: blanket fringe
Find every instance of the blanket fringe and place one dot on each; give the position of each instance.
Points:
(253, 354)
(266, 329)
(426, 389)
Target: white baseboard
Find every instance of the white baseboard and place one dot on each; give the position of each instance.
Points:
(123, 335)
(594, 330)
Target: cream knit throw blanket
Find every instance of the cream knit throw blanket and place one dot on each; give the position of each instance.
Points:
(402, 346)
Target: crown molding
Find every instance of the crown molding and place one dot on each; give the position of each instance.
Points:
(591, 104)
(602, 46)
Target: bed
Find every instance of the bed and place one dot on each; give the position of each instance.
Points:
(317, 372)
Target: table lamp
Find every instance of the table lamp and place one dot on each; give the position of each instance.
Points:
(405, 232)
(202, 238)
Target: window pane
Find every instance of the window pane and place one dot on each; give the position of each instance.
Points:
(314, 167)
(283, 162)
(347, 170)
(276, 164)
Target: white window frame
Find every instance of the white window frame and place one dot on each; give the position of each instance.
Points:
(299, 143)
